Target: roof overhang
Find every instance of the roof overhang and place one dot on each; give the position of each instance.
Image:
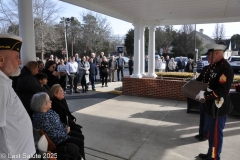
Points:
(166, 12)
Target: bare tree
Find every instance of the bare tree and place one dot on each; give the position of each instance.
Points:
(219, 32)
(44, 13)
(184, 41)
(163, 37)
(115, 41)
(96, 33)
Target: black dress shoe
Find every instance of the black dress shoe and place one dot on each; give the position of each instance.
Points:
(202, 138)
(77, 92)
(94, 89)
(209, 158)
(203, 156)
(198, 136)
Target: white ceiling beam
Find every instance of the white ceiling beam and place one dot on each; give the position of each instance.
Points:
(200, 21)
(100, 9)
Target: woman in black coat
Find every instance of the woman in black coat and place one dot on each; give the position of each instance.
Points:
(28, 85)
(59, 105)
(130, 65)
(104, 69)
(49, 70)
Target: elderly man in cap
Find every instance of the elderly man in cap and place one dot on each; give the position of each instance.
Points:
(218, 103)
(16, 134)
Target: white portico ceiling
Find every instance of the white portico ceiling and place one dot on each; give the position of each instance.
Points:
(166, 12)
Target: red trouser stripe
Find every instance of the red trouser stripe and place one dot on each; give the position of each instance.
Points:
(216, 139)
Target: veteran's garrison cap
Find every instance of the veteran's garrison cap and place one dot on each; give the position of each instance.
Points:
(10, 42)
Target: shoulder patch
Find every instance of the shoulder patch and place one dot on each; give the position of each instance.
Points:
(222, 79)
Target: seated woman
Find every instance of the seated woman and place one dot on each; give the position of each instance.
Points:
(49, 121)
(60, 106)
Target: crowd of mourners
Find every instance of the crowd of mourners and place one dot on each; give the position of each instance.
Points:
(41, 89)
(38, 90)
(169, 65)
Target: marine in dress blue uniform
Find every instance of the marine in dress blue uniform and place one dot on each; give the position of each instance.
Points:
(218, 102)
(203, 77)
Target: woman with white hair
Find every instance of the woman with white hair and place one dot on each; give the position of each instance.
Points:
(158, 63)
(49, 121)
(60, 106)
(172, 65)
(162, 65)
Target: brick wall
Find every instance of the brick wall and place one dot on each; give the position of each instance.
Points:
(154, 88)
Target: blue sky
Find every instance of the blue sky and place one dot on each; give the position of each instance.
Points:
(120, 27)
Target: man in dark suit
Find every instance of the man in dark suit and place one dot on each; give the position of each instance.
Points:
(130, 65)
(218, 102)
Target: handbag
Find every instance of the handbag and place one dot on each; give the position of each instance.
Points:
(104, 70)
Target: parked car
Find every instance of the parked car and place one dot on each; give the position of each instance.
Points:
(126, 59)
(205, 61)
(234, 61)
(185, 59)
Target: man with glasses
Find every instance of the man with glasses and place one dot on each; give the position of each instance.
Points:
(72, 69)
(218, 103)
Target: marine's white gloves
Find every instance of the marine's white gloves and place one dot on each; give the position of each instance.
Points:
(200, 95)
(209, 90)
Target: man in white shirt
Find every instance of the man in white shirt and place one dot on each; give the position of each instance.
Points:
(72, 69)
(16, 132)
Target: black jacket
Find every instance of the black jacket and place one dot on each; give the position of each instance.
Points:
(61, 108)
(221, 78)
(181, 64)
(130, 64)
(104, 65)
(27, 86)
(51, 78)
(204, 75)
(189, 67)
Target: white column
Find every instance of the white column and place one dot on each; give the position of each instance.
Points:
(151, 52)
(26, 31)
(142, 51)
(136, 61)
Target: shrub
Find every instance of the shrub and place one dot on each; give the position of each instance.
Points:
(187, 75)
